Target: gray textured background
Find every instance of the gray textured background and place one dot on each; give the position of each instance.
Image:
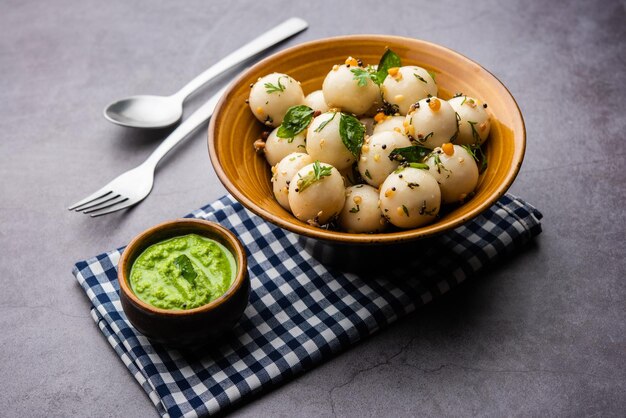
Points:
(540, 334)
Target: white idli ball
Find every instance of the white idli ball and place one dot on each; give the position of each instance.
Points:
(324, 141)
(410, 197)
(474, 121)
(406, 85)
(271, 96)
(283, 172)
(390, 123)
(315, 101)
(432, 122)
(374, 163)
(316, 193)
(455, 170)
(343, 91)
(277, 148)
(361, 212)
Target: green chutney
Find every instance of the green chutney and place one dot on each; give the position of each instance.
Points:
(183, 272)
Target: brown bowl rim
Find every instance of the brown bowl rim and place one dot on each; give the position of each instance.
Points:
(345, 237)
(238, 282)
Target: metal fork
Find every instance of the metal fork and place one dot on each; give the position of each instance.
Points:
(133, 186)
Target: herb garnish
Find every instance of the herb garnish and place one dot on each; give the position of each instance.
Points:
(355, 209)
(477, 154)
(361, 75)
(295, 121)
(424, 139)
(471, 151)
(367, 174)
(421, 166)
(406, 211)
(377, 74)
(273, 88)
(389, 60)
(318, 173)
(431, 74)
(326, 122)
(475, 134)
(412, 154)
(420, 78)
(437, 159)
(186, 269)
(352, 133)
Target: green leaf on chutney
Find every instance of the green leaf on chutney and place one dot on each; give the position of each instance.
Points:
(186, 269)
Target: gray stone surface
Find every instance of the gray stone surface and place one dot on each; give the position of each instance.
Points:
(539, 334)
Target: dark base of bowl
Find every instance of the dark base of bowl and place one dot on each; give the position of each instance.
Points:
(366, 260)
(190, 331)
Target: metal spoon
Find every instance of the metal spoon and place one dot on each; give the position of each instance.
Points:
(161, 111)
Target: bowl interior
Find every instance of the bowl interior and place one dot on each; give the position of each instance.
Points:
(246, 175)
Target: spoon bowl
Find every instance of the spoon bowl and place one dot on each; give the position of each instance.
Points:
(145, 111)
(162, 111)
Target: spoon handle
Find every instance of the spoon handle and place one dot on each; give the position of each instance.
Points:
(281, 32)
(193, 122)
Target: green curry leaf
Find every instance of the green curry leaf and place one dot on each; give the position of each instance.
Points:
(352, 133)
(186, 269)
(389, 60)
(296, 120)
(412, 154)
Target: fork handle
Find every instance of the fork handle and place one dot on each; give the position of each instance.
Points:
(281, 32)
(190, 124)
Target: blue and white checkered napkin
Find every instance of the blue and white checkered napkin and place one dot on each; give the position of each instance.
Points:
(300, 312)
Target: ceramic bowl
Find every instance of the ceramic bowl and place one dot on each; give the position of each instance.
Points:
(246, 175)
(192, 327)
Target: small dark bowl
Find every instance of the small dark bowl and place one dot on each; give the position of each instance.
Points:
(192, 327)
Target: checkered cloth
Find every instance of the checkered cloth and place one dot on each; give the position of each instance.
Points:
(300, 312)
